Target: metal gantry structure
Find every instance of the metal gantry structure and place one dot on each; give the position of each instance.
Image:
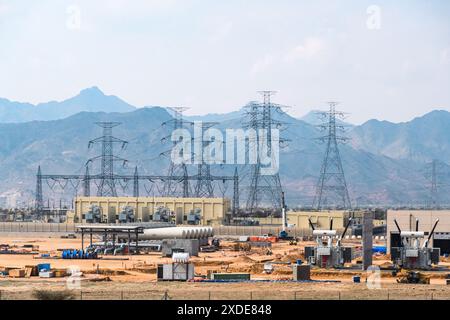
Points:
(107, 178)
(331, 189)
(264, 189)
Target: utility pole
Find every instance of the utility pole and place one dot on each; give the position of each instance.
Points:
(39, 203)
(136, 183)
(87, 183)
(235, 192)
(331, 188)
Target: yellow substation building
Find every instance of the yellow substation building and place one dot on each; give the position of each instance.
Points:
(211, 211)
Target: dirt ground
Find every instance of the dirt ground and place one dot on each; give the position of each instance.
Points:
(134, 277)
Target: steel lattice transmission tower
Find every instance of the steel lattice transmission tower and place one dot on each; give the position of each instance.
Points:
(434, 186)
(435, 172)
(264, 189)
(176, 170)
(331, 190)
(106, 186)
(204, 185)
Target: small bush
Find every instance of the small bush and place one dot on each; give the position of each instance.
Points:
(53, 295)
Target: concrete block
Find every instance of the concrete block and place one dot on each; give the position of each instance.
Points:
(301, 272)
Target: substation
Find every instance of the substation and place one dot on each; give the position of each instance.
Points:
(192, 224)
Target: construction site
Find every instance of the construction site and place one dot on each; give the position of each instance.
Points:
(184, 235)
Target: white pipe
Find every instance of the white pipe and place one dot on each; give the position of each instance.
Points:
(177, 232)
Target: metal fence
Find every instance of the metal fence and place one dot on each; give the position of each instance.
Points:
(235, 295)
(219, 230)
(36, 227)
(259, 231)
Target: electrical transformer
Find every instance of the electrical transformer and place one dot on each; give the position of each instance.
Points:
(328, 253)
(126, 215)
(414, 252)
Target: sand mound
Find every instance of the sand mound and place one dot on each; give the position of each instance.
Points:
(107, 272)
(245, 259)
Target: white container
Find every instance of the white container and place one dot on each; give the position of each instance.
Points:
(46, 274)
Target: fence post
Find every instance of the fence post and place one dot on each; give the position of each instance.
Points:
(121, 295)
(251, 295)
(209, 295)
(81, 294)
(339, 295)
(388, 294)
(295, 295)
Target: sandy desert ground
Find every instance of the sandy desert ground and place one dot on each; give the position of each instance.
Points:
(134, 277)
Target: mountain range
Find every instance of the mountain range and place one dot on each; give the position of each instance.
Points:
(386, 164)
(90, 100)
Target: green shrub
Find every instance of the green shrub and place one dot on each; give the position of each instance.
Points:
(53, 295)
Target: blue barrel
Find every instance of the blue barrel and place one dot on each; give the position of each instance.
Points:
(379, 249)
(299, 262)
(356, 279)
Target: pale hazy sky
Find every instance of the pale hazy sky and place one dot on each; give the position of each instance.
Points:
(380, 59)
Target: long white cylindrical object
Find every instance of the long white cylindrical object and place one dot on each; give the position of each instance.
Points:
(177, 232)
(412, 234)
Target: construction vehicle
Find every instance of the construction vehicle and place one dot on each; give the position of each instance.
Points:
(414, 253)
(328, 253)
(283, 233)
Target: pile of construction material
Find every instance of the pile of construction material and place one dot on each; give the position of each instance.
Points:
(42, 270)
(14, 249)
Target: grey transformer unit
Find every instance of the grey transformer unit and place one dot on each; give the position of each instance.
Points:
(126, 215)
(326, 253)
(94, 215)
(412, 254)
